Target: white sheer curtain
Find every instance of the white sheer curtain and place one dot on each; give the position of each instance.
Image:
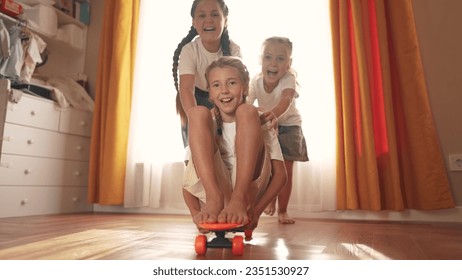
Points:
(154, 165)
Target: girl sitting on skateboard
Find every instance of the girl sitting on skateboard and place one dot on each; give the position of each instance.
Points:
(236, 167)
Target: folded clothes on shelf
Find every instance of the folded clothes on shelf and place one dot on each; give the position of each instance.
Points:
(42, 18)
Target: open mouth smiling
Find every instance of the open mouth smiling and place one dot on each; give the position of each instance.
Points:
(209, 29)
(226, 100)
(272, 72)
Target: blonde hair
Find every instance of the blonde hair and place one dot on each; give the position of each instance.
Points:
(231, 62)
(279, 40)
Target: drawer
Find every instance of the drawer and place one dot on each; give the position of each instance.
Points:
(31, 111)
(74, 121)
(33, 171)
(25, 201)
(28, 141)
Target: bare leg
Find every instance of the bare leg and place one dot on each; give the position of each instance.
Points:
(271, 208)
(284, 196)
(192, 203)
(277, 182)
(249, 147)
(194, 206)
(203, 147)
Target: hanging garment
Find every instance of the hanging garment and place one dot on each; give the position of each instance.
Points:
(4, 42)
(32, 50)
(11, 68)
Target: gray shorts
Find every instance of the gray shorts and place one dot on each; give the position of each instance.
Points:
(293, 144)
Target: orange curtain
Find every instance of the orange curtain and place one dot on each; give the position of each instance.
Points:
(111, 117)
(388, 153)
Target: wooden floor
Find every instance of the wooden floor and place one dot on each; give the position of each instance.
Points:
(170, 237)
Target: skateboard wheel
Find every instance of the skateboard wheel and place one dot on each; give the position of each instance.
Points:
(201, 244)
(248, 233)
(238, 245)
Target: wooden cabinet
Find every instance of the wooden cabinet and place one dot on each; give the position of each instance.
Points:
(44, 148)
(44, 156)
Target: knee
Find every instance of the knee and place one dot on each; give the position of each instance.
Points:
(198, 113)
(199, 116)
(246, 112)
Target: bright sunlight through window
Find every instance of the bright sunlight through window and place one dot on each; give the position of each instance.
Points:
(155, 135)
(164, 24)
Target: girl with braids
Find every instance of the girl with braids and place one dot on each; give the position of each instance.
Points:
(275, 90)
(211, 40)
(236, 166)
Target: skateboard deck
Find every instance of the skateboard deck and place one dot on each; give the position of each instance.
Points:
(220, 241)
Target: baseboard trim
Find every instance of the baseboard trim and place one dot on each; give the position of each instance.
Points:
(445, 215)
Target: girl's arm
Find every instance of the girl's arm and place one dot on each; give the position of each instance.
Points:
(287, 97)
(187, 92)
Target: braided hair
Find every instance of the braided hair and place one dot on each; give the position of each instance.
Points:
(225, 47)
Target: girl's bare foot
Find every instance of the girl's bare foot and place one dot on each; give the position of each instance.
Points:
(234, 212)
(285, 219)
(209, 213)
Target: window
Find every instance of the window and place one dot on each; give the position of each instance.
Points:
(155, 127)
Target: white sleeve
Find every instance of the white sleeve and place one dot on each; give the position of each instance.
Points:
(289, 81)
(235, 50)
(187, 63)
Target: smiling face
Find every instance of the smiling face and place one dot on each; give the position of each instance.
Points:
(227, 90)
(209, 21)
(275, 63)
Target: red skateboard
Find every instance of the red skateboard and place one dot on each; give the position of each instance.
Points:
(220, 241)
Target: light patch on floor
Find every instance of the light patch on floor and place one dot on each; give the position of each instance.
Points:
(364, 252)
(89, 244)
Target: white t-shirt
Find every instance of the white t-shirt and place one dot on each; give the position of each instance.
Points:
(267, 101)
(194, 59)
(226, 144)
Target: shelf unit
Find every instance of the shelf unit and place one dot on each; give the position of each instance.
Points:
(44, 149)
(65, 60)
